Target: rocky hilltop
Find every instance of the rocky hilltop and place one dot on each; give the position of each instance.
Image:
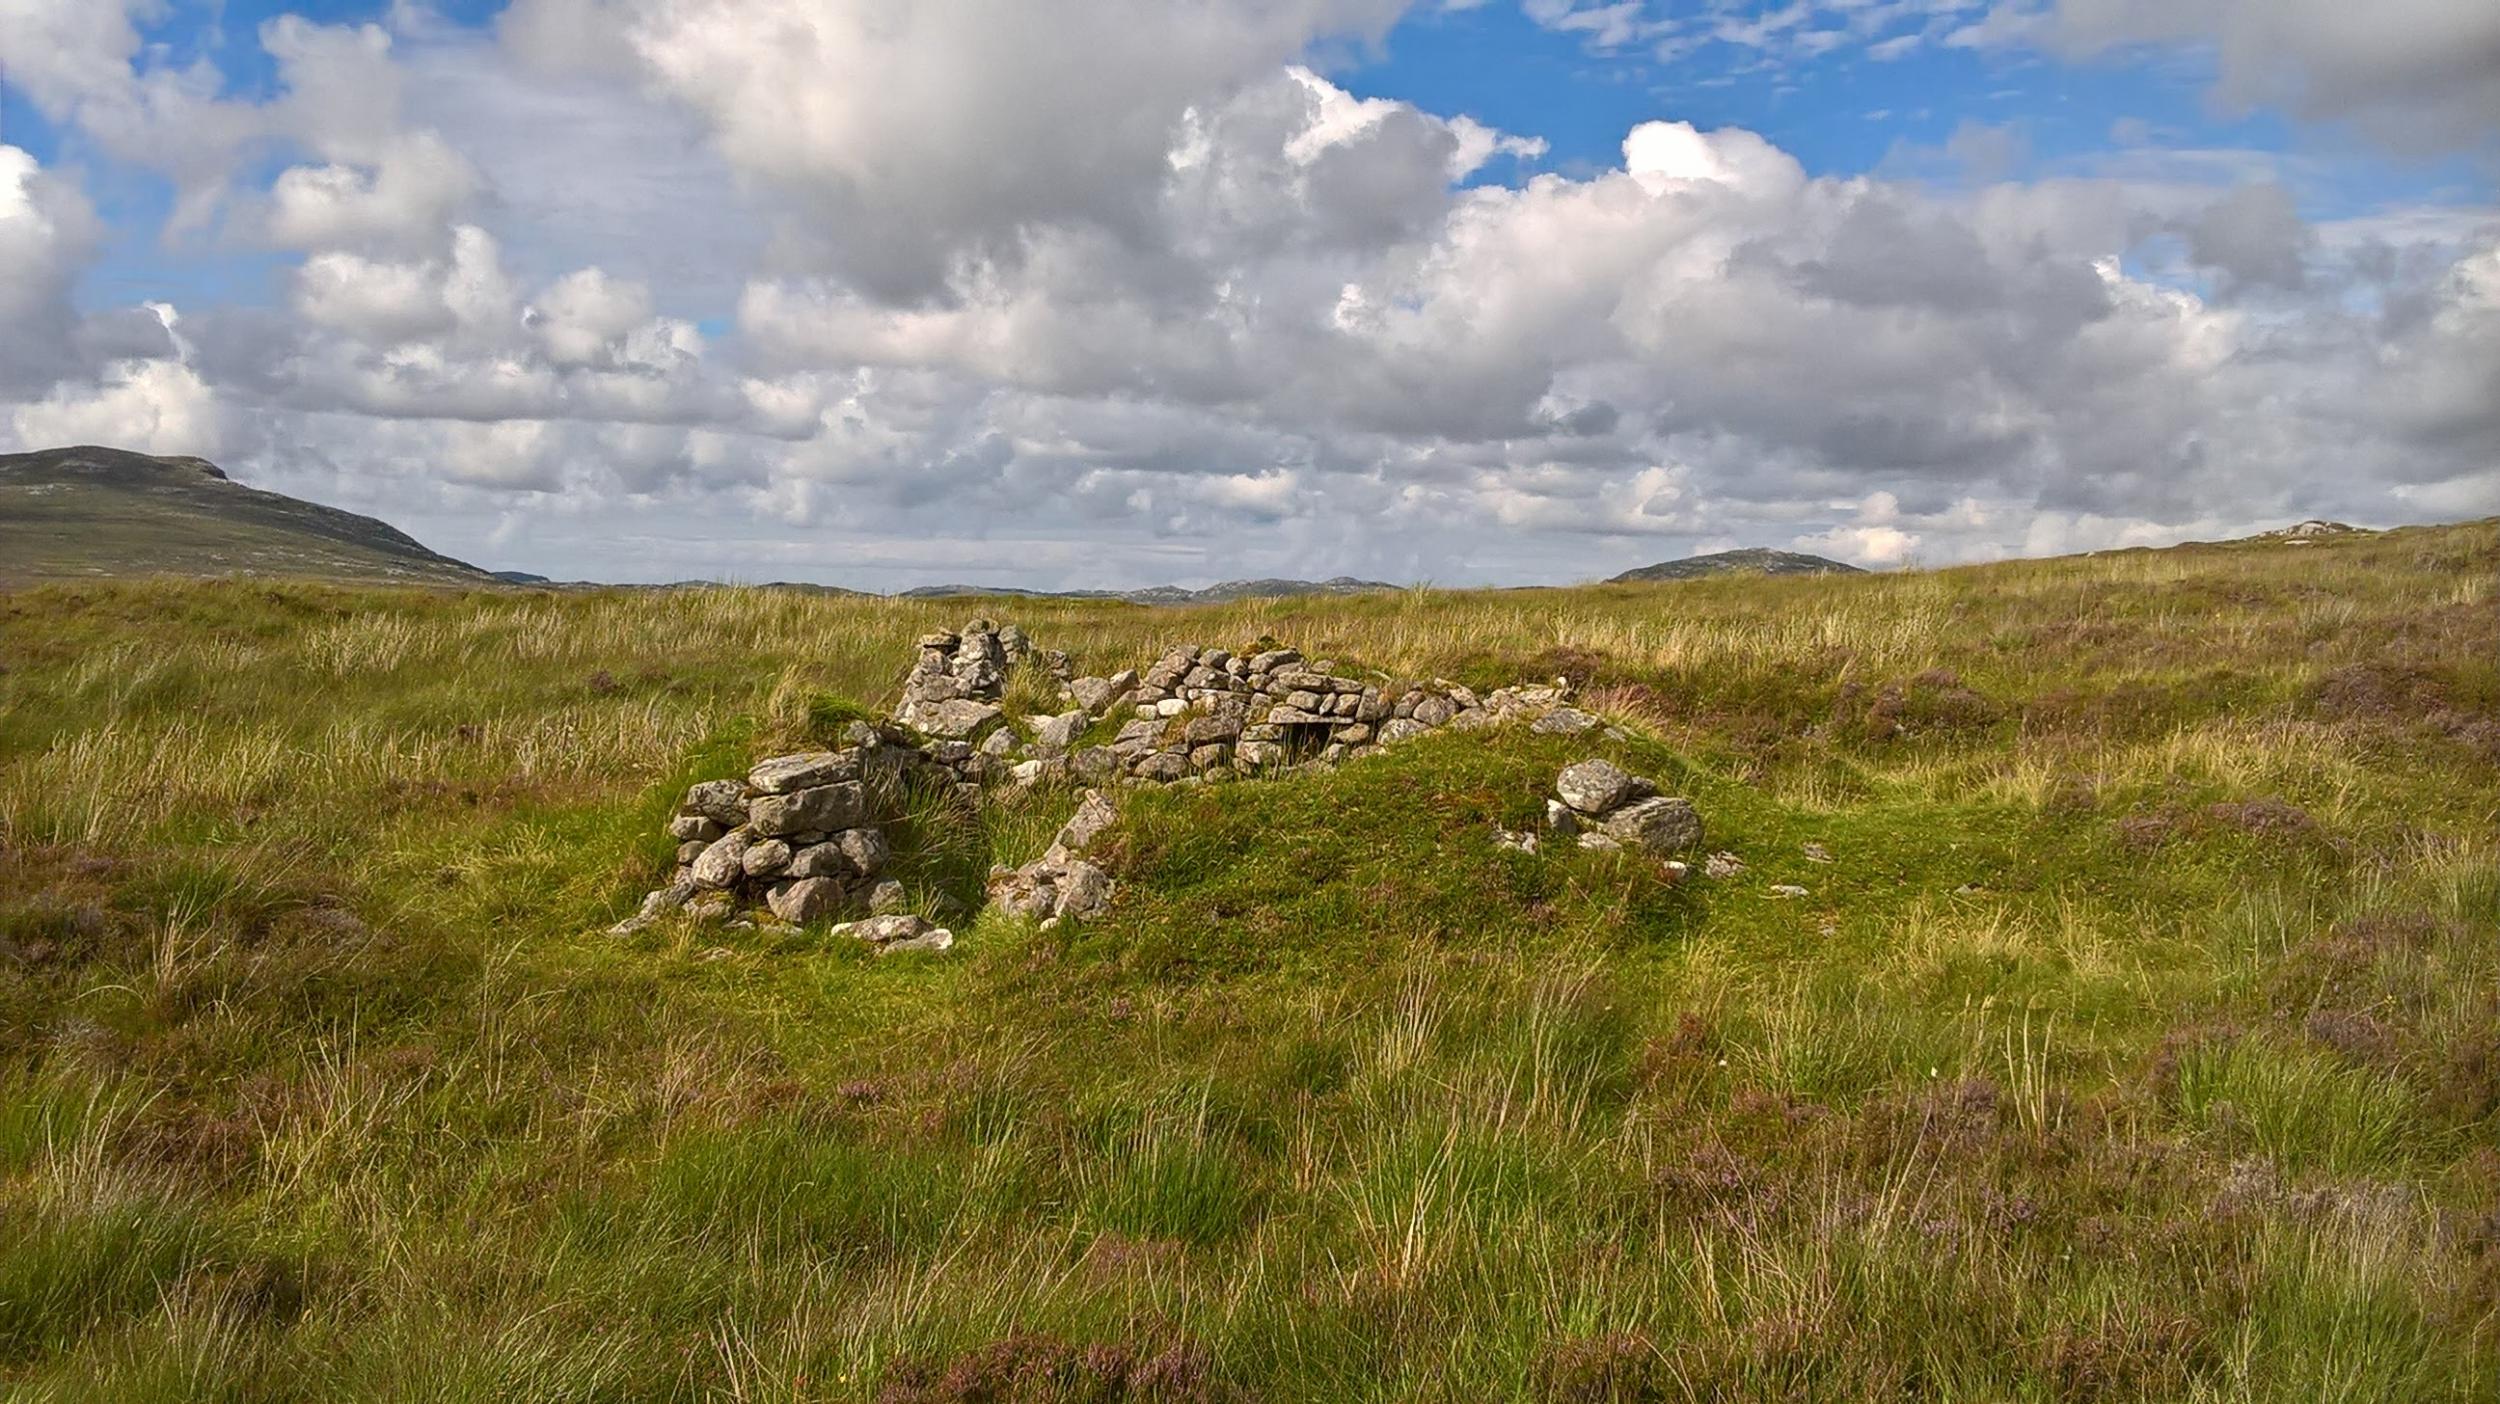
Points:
(87, 512)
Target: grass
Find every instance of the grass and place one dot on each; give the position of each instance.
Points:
(2137, 1042)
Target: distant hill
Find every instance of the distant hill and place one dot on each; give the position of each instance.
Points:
(82, 513)
(1167, 594)
(1753, 560)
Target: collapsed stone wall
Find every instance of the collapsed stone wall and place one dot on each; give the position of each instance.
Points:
(803, 836)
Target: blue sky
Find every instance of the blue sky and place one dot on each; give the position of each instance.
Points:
(775, 283)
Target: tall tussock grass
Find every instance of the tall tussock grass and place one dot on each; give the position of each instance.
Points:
(2105, 1007)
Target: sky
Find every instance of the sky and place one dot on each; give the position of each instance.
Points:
(1113, 293)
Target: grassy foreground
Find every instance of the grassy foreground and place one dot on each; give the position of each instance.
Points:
(2141, 1039)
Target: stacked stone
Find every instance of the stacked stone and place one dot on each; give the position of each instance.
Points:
(802, 835)
(955, 685)
(1205, 712)
(1061, 884)
(1605, 806)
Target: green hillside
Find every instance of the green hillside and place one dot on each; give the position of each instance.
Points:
(83, 513)
(2135, 1034)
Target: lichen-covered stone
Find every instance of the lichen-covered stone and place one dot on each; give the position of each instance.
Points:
(1656, 825)
(1594, 786)
(825, 807)
(805, 900)
(724, 802)
(804, 771)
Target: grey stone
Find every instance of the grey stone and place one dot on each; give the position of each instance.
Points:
(840, 806)
(723, 861)
(1209, 756)
(957, 717)
(1052, 736)
(805, 900)
(804, 771)
(1095, 764)
(1594, 786)
(1252, 755)
(1561, 818)
(1221, 726)
(1435, 711)
(724, 802)
(1397, 729)
(1564, 721)
(882, 930)
(765, 859)
(1094, 814)
(865, 849)
(658, 904)
(1656, 825)
(819, 860)
(1162, 766)
(690, 850)
(936, 938)
(1096, 695)
(887, 898)
(998, 744)
(1723, 865)
(1082, 889)
(699, 828)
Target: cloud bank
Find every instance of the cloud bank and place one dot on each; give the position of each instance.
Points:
(1082, 294)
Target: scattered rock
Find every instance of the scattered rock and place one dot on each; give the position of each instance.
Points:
(1593, 786)
(1626, 810)
(1657, 825)
(1723, 865)
(1817, 853)
(896, 932)
(1565, 721)
(1787, 889)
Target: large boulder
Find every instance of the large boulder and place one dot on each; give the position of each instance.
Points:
(822, 809)
(1594, 786)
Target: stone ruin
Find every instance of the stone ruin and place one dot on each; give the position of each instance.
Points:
(803, 836)
(1197, 712)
